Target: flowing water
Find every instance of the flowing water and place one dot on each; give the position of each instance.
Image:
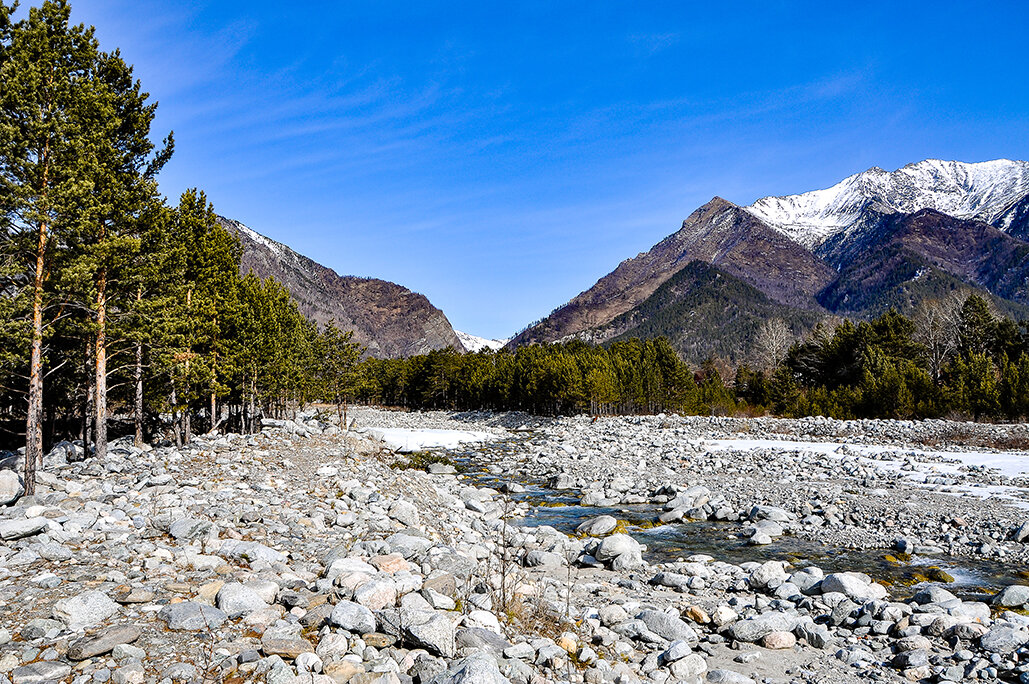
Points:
(973, 579)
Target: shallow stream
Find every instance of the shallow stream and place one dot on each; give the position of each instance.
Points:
(973, 579)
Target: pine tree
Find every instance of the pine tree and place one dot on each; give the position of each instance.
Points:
(46, 98)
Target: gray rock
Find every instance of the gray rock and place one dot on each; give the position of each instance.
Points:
(103, 641)
(668, 626)
(1004, 639)
(191, 617)
(236, 600)
(854, 585)
(85, 610)
(1013, 596)
(408, 545)
(353, 617)
(597, 527)
(10, 487)
(728, 677)
(616, 545)
(755, 628)
(547, 560)
(188, 529)
(1022, 533)
(436, 634)
(249, 551)
(22, 527)
(476, 669)
(43, 672)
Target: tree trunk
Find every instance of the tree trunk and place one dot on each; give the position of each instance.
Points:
(214, 412)
(137, 406)
(101, 365)
(175, 418)
(33, 421)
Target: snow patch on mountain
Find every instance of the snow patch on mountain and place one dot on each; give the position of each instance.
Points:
(986, 191)
(474, 343)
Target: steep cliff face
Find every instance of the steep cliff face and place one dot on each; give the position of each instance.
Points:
(391, 320)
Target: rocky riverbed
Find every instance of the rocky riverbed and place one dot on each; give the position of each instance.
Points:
(307, 554)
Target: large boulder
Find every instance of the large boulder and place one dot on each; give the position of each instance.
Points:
(21, 527)
(353, 617)
(1014, 596)
(621, 551)
(756, 628)
(85, 610)
(10, 487)
(192, 617)
(668, 626)
(103, 641)
(854, 585)
(236, 600)
(597, 527)
(477, 669)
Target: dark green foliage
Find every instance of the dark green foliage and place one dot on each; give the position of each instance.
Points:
(699, 299)
(631, 376)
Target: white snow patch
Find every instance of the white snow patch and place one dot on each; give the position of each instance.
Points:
(1007, 464)
(407, 440)
(475, 343)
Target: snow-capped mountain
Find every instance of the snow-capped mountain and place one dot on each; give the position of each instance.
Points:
(986, 191)
(874, 241)
(475, 343)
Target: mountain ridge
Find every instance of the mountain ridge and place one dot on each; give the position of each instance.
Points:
(874, 240)
(389, 319)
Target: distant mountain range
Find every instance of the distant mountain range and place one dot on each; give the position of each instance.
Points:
(391, 320)
(875, 240)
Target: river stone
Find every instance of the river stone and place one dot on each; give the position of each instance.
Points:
(285, 646)
(85, 610)
(408, 545)
(1022, 533)
(476, 669)
(249, 551)
(1014, 596)
(191, 617)
(854, 585)
(1004, 639)
(10, 487)
(42, 672)
(755, 628)
(773, 513)
(435, 634)
(597, 527)
(22, 527)
(376, 594)
(616, 545)
(728, 677)
(353, 617)
(779, 640)
(404, 512)
(189, 529)
(668, 626)
(103, 641)
(236, 600)
(691, 666)
(768, 575)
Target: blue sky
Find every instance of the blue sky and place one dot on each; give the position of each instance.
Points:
(500, 158)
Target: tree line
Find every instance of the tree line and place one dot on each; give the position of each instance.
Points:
(953, 358)
(115, 304)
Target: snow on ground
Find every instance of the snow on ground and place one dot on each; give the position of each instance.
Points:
(407, 440)
(475, 343)
(1008, 464)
